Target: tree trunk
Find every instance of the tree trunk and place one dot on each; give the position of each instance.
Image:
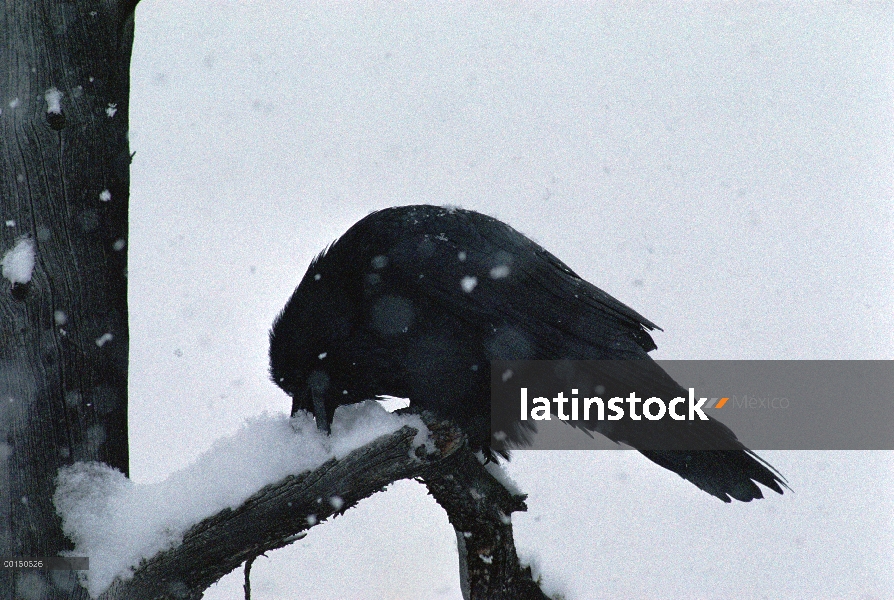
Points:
(64, 179)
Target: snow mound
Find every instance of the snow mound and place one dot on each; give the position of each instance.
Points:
(54, 100)
(18, 263)
(117, 523)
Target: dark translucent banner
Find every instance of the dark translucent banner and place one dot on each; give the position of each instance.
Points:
(693, 405)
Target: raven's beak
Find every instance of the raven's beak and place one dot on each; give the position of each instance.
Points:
(319, 404)
(297, 402)
(317, 387)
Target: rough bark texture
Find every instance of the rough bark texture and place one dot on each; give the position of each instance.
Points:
(479, 508)
(63, 336)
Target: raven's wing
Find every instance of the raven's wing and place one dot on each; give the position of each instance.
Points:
(482, 271)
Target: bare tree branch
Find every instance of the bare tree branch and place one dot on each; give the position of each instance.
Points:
(479, 508)
(247, 585)
(272, 518)
(279, 514)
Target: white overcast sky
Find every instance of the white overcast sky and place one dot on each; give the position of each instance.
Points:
(725, 169)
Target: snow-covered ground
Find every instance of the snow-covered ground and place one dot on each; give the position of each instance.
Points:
(726, 170)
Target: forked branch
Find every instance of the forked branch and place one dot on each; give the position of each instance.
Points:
(279, 514)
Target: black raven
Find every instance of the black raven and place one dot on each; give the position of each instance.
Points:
(415, 301)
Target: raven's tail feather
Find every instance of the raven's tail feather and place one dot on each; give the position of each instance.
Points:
(722, 473)
(704, 452)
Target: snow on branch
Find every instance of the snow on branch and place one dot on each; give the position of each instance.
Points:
(262, 488)
(249, 493)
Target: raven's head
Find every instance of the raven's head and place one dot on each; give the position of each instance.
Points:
(310, 352)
